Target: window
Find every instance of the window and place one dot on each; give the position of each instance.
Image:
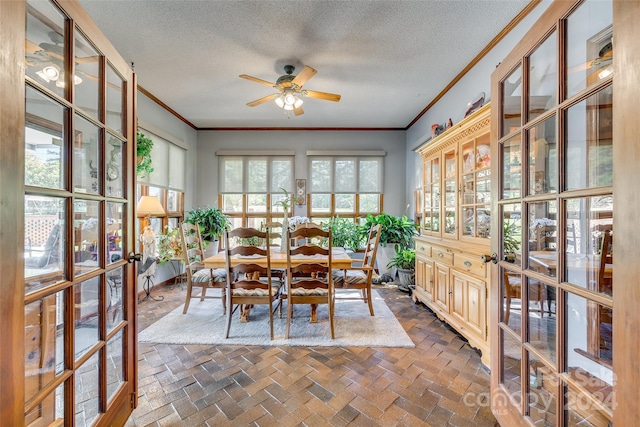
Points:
(347, 186)
(167, 181)
(169, 162)
(252, 186)
(172, 202)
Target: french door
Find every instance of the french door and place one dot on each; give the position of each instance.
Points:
(553, 358)
(70, 219)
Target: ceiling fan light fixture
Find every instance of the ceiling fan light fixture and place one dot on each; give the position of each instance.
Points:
(289, 98)
(49, 73)
(298, 103)
(280, 101)
(61, 83)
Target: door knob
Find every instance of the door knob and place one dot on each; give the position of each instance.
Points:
(490, 258)
(134, 257)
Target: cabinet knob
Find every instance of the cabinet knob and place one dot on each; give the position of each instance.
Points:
(467, 263)
(440, 254)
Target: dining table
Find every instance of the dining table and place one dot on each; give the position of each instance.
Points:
(340, 259)
(582, 270)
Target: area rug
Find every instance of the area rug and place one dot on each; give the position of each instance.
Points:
(204, 323)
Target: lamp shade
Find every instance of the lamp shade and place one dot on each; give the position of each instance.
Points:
(149, 206)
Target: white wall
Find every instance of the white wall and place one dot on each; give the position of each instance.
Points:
(392, 142)
(454, 102)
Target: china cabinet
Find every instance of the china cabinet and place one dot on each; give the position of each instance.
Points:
(451, 275)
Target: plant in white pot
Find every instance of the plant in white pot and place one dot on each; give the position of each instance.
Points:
(212, 222)
(394, 230)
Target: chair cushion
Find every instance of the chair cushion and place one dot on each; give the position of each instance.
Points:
(259, 292)
(219, 275)
(309, 292)
(200, 276)
(353, 277)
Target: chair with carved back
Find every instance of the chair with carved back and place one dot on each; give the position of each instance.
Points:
(312, 282)
(249, 284)
(360, 276)
(197, 275)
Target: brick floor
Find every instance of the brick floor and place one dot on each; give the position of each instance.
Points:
(204, 385)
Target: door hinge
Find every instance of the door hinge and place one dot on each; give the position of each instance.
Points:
(133, 400)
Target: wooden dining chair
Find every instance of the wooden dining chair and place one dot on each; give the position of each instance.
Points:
(249, 284)
(359, 276)
(275, 233)
(302, 240)
(513, 289)
(309, 282)
(197, 275)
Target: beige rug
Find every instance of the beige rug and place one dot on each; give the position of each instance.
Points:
(204, 323)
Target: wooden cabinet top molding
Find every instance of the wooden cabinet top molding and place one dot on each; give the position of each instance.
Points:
(476, 123)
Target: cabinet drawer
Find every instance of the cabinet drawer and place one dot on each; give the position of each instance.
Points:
(423, 249)
(471, 264)
(442, 256)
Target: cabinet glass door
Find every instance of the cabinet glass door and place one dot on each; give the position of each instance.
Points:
(450, 193)
(476, 188)
(431, 224)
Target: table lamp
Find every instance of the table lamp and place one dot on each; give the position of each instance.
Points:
(147, 207)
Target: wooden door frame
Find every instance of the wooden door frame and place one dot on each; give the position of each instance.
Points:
(12, 362)
(626, 153)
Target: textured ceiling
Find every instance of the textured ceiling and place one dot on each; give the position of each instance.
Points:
(388, 59)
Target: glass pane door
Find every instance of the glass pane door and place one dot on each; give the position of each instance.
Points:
(554, 330)
(79, 290)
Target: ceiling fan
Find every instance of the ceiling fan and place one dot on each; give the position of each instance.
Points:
(290, 90)
(49, 59)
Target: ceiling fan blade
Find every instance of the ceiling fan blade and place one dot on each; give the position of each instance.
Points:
(31, 47)
(298, 111)
(303, 76)
(257, 80)
(263, 100)
(321, 95)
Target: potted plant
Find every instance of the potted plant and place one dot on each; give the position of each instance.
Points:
(169, 245)
(344, 233)
(143, 153)
(394, 230)
(510, 240)
(405, 262)
(212, 222)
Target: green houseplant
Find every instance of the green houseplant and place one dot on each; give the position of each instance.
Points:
(211, 220)
(169, 245)
(511, 243)
(344, 233)
(394, 230)
(405, 262)
(143, 153)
